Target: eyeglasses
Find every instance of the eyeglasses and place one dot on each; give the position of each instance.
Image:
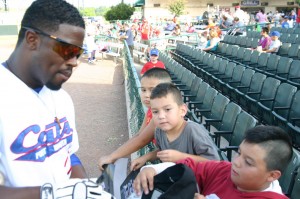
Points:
(63, 48)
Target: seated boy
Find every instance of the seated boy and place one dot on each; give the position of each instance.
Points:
(176, 138)
(254, 173)
(149, 80)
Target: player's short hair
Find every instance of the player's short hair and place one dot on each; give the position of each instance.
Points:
(275, 141)
(163, 89)
(47, 15)
(158, 73)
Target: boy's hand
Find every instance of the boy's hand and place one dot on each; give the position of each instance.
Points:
(144, 181)
(104, 160)
(170, 155)
(137, 163)
(199, 196)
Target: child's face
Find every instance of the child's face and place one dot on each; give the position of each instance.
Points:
(249, 170)
(167, 114)
(153, 58)
(147, 84)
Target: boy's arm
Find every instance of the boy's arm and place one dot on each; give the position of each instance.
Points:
(141, 161)
(174, 156)
(25, 192)
(133, 144)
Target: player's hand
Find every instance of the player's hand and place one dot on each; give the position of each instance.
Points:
(137, 163)
(170, 155)
(74, 188)
(104, 160)
(144, 181)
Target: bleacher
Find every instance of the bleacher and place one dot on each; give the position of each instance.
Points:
(236, 88)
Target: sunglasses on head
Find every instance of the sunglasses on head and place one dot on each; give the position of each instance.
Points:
(63, 48)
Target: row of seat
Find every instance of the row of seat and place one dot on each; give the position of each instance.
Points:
(226, 116)
(249, 89)
(286, 30)
(283, 68)
(280, 67)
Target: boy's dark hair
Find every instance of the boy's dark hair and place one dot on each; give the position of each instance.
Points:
(275, 141)
(47, 15)
(265, 29)
(158, 73)
(163, 89)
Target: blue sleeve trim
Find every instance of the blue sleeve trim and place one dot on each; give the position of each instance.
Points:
(75, 160)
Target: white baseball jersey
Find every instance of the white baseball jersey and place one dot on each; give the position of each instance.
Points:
(34, 148)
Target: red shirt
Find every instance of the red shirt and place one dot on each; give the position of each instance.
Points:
(149, 65)
(213, 177)
(149, 117)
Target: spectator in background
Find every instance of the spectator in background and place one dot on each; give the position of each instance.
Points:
(213, 41)
(239, 13)
(298, 19)
(190, 28)
(145, 32)
(276, 17)
(261, 17)
(154, 62)
(177, 30)
(91, 47)
(128, 36)
(293, 16)
(239, 26)
(291, 22)
(275, 43)
(265, 40)
(285, 23)
(225, 23)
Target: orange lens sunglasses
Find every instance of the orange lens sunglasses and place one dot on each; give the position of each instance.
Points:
(63, 48)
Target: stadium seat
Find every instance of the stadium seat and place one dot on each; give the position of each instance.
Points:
(243, 122)
(294, 74)
(268, 91)
(253, 59)
(283, 68)
(296, 187)
(254, 86)
(293, 51)
(216, 111)
(288, 177)
(245, 82)
(271, 64)
(198, 97)
(283, 98)
(283, 49)
(227, 122)
(205, 104)
(261, 61)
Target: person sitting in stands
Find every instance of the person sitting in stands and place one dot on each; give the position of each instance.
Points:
(275, 43)
(265, 40)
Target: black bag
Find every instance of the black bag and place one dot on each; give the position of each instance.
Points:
(176, 182)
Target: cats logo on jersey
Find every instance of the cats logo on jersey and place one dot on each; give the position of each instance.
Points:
(35, 143)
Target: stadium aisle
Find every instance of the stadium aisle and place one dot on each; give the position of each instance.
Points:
(99, 98)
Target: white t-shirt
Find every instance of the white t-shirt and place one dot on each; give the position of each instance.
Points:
(33, 148)
(275, 44)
